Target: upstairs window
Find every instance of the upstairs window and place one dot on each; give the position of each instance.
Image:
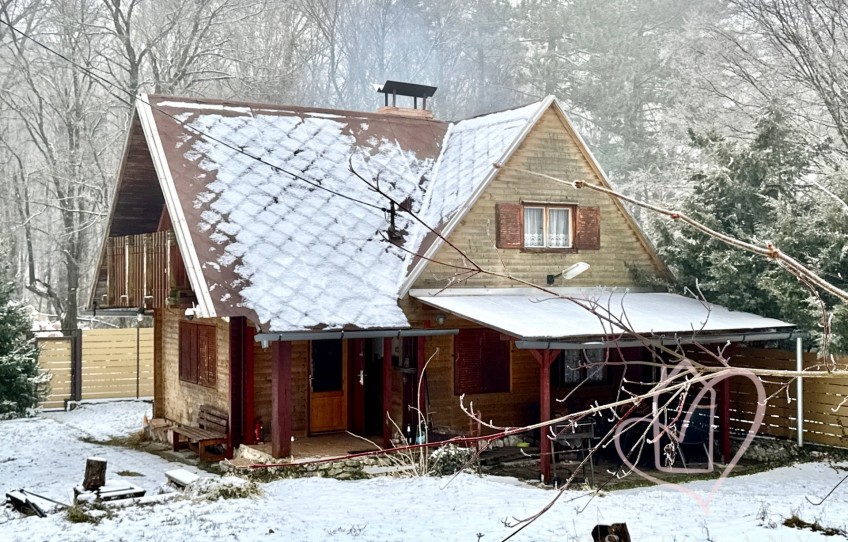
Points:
(547, 227)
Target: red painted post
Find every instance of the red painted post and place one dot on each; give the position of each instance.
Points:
(238, 325)
(248, 385)
(725, 419)
(387, 392)
(545, 358)
(419, 383)
(281, 399)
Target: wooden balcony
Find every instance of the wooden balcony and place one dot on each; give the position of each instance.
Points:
(145, 270)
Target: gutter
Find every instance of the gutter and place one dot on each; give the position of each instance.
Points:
(580, 344)
(357, 334)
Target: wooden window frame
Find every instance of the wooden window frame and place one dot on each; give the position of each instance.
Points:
(198, 353)
(477, 376)
(546, 207)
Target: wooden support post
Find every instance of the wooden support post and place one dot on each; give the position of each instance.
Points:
(545, 358)
(249, 436)
(420, 385)
(95, 474)
(76, 365)
(387, 392)
(238, 324)
(281, 398)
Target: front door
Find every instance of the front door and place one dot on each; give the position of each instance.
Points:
(328, 385)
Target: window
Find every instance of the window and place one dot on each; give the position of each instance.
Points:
(574, 366)
(481, 362)
(198, 354)
(547, 227)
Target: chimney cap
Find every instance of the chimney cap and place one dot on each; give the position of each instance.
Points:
(407, 89)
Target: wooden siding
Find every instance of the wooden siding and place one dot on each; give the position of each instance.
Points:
(182, 400)
(548, 149)
(111, 363)
(825, 414)
(55, 357)
(144, 270)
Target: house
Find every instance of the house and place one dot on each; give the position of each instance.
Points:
(290, 282)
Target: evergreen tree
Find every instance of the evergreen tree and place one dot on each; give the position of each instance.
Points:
(21, 385)
(756, 191)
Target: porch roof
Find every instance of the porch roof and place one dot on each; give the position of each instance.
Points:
(581, 315)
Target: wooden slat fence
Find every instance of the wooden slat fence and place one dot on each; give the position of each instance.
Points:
(55, 357)
(825, 415)
(116, 364)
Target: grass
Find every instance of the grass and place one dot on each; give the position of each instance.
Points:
(87, 513)
(128, 473)
(797, 523)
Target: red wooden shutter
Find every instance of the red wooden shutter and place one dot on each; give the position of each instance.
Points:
(587, 235)
(185, 350)
(467, 351)
(510, 225)
(207, 359)
(495, 364)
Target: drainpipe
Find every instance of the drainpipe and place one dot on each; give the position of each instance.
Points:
(799, 366)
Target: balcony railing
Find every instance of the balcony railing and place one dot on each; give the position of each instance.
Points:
(145, 270)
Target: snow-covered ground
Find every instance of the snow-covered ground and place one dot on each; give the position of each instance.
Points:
(45, 455)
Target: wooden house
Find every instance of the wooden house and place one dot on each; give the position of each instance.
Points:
(304, 265)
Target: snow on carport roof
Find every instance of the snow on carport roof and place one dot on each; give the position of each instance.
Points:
(544, 316)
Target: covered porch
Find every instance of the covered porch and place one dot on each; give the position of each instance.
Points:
(632, 328)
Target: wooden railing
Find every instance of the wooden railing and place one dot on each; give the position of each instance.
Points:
(144, 271)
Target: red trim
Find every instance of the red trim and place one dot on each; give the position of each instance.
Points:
(545, 358)
(248, 386)
(420, 381)
(356, 363)
(235, 430)
(387, 392)
(281, 398)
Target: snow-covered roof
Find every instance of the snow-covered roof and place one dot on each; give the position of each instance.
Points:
(295, 252)
(472, 148)
(594, 313)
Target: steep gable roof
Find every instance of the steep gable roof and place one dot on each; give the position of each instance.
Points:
(272, 223)
(467, 166)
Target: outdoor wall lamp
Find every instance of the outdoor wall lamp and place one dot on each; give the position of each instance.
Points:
(440, 319)
(265, 344)
(574, 270)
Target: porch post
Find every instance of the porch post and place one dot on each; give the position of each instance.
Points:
(281, 398)
(420, 384)
(387, 392)
(248, 386)
(545, 358)
(237, 346)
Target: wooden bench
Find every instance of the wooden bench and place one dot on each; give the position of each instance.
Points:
(211, 430)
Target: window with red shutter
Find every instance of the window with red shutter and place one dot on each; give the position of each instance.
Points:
(481, 362)
(198, 362)
(547, 227)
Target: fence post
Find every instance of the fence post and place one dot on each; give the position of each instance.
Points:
(799, 383)
(137, 357)
(76, 365)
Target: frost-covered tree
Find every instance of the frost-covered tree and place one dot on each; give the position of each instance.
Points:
(21, 385)
(758, 191)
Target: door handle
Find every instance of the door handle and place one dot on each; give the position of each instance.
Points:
(362, 377)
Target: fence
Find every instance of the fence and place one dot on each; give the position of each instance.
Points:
(98, 364)
(825, 408)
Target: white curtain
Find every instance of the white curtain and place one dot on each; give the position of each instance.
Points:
(558, 222)
(534, 227)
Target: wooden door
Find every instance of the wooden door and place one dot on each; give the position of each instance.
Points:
(328, 386)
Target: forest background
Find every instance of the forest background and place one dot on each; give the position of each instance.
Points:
(733, 111)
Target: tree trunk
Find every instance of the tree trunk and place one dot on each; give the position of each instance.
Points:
(95, 474)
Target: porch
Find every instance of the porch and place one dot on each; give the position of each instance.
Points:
(307, 449)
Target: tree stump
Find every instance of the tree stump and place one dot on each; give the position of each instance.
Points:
(95, 474)
(617, 532)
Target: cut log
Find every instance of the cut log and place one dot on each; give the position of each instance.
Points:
(617, 532)
(95, 474)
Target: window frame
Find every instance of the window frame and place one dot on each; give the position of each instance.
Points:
(546, 209)
(195, 339)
